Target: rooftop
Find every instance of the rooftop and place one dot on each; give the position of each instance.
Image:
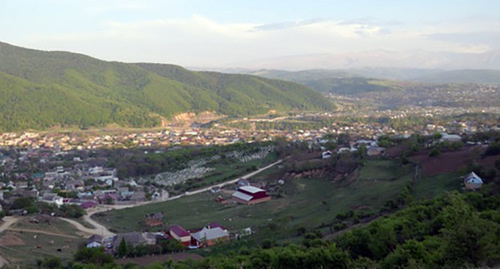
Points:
(178, 230)
(250, 189)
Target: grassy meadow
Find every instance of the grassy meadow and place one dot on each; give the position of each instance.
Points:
(303, 202)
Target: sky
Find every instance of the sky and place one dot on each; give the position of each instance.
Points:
(210, 33)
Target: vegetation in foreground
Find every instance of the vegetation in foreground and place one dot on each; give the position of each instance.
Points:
(454, 230)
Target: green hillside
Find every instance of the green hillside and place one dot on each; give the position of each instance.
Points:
(43, 89)
(331, 81)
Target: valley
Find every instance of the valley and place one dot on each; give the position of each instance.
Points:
(151, 158)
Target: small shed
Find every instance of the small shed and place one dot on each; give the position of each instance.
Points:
(472, 181)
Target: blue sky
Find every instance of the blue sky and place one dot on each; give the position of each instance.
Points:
(215, 33)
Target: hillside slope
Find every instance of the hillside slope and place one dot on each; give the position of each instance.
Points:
(41, 89)
(331, 81)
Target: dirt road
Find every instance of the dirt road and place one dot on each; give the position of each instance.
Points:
(99, 229)
(7, 222)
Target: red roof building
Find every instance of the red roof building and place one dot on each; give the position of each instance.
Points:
(250, 195)
(181, 235)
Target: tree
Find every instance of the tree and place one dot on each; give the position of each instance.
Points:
(52, 263)
(123, 249)
(434, 152)
(94, 256)
(72, 211)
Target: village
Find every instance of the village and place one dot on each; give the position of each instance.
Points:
(69, 169)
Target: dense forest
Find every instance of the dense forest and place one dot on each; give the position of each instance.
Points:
(43, 89)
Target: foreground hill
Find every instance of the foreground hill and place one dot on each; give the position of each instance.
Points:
(42, 89)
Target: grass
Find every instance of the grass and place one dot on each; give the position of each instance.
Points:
(431, 186)
(63, 243)
(304, 203)
(380, 169)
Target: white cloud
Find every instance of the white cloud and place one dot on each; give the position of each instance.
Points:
(197, 41)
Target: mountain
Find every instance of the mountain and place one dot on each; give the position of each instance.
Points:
(379, 59)
(331, 81)
(361, 80)
(462, 76)
(40, 89)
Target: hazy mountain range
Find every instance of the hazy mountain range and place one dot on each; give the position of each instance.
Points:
(379, 58)
(314, 77)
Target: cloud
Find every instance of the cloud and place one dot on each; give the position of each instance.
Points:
(199, 41)
(469, 38)
(285, 25)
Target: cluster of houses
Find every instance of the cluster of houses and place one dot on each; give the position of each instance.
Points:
(86, 187)
(209, 235)
(372, 149)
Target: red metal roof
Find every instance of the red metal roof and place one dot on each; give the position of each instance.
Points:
(179, 231)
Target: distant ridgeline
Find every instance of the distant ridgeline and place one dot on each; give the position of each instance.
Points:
(42, 89)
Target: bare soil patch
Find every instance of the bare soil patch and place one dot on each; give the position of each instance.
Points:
(10, 239)
(446, 162)
(489, 161)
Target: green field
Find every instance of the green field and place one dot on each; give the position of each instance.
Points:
(429, 187)
(303, 202)
(29, 242)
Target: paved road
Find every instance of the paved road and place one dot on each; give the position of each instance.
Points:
(102, 230)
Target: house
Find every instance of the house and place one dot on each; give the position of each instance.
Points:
(375, 151)
(137, 196)
(181, 235)
(450, 138)
(154, 219)
(472, 181)
(53, 198)
(95, 241)
(21, 185)
(134, 239)
(250, 195)
(209, 236)
(326, 154)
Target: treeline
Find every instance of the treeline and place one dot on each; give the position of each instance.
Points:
(30, 205)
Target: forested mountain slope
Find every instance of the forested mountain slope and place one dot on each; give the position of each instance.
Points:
(41, 89)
